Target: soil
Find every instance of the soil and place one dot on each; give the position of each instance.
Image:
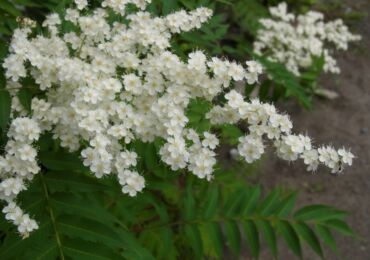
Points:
(344, 121)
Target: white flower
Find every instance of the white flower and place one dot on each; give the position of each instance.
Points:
(107, 84)
(197, 61)
(132, 83)
(131, 182)
(192, 135)
(51, 20)
(12, 212)
(281, 121)
(295, 143)
(125, 160)
(72, 16)
(311, 159)
(81, 4)
(295, 40)
(210, 140)
(14, 67)
(201, 161)
(234, 99)
(24, 130)
(236, 71)
(251, 148)
(23, 221)
(346, 156)
(254, 70)
(26, 225)
(11, 186)
(27, 153)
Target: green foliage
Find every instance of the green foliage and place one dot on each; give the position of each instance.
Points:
(25, 98)
(246, 212)
(74, 222)
(5, 102)
(208, 37)
(196, 112)
(231, 30)
(246, 19)
(177, 216)
(283, 84)
(11, 9)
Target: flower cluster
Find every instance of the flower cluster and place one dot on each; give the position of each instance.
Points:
(265, 121)
(19, 165)
(106, 84)
(296, 40)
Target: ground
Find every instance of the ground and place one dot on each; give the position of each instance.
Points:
(344, 121)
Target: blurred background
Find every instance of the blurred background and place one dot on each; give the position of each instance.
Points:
(344, 121)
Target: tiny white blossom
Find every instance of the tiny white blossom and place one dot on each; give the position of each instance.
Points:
(106, 85)
(210, 140)
(294, 40)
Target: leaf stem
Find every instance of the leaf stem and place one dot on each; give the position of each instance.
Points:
(52, 217)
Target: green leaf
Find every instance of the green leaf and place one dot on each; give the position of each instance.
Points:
(5, 103)
(88, 230)
(169, 191)
(159, 206)
(68, 203)
(290, 237)
(233, 236)
(231, 133)
(215, 234)
(249, 20)
(151, 159)
(9, 8)
(314, 71)
(193, 236)
(211, 205)
(133, 247)
(78, 222)
(79, 249)
(189, 4)
(13, 247)
(3, 53)
(281, 76)
(29, 3)
(251, 203)
(195, 112)
(61, 161)
(3, 30)
(252, 237)
(45, 142)
(326, 236)
(70, 181)
(160, 242)
(318, 212)
(305, 232)
(269, 203)
(225, 2)
(25, 98)
(42, 249)
(235, 203)
(340, 226)
(59, 6)
(269, 235)
(169, 6)
(189, 211)
(286, 205)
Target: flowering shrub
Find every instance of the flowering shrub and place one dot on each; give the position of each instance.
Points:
(103, 84)
(296, 40)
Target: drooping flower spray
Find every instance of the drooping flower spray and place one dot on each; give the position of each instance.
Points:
(107, 84)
